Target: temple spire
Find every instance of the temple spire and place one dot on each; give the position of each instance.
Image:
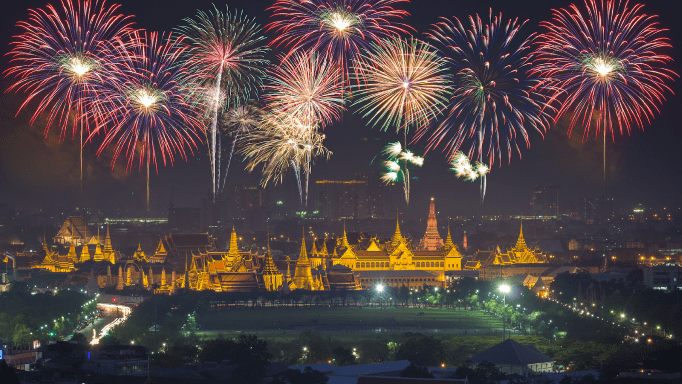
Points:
(303, 257)
(431, 240)
(397, 236)
(234, 247)
(521, 242)
(345, 242)
(448, 239)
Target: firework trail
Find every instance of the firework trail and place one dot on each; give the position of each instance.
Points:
(341, 29)
(148, 113)
(280, 143)
(307, 86)
(305, 90)
(397, 163)
(494, 99)
(227, 52)
(605, 60)
(241, 119)
(57, 60)
(461, 165)
(401, 84)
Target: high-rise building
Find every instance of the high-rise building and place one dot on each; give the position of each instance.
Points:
(598, 210)
(545, 201)
(342, 199)
(380, 198)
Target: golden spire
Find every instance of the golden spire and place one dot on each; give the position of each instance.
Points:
(313, 249)
(108, 249)
(72, 256)
(521, 242)
(345, 242)
(303, 257)
(234, 247)
(269, 267)
(85, 254)
(448, 239)
(397, 236)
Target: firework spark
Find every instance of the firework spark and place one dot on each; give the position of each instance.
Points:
(281, 143)
(401, 83)
(605, 60)
(147, 103)
(236, 121)
(342, 29)
(305, 85)
(228, 52)
(462, 167)
(58, 57)
(494, 99)
(397, 166)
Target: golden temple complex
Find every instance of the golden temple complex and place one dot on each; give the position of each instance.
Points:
(519, 254)
(352, 261)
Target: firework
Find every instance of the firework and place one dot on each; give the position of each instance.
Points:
(342, 29)
(605, 61)
(228, 54)
(462, 167)
(281, 143)
(148, 112)
(401, 83)
(58, 58)
(494, 99)
(305, 85)
(397, 166)
(236, 121)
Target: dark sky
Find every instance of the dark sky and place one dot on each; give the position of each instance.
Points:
(642, 168)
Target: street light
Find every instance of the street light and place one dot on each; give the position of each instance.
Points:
(504, 288)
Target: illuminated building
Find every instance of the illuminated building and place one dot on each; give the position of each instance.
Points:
(519, 254)
(431, 240)
(74, 230)
(545, 201)
(540, 289)
(303, 276)
(342, 199)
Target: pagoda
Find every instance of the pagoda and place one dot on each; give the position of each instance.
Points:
(431, 240)
(272, 277)
(303, 276)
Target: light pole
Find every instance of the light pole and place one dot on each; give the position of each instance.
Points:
(504, 288)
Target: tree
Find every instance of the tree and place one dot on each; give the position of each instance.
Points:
(414, 371)
(22, 335)
(343, 356)
(217, 350)
(422, 350)
(295, 376)
(79, 338)
(251, 358)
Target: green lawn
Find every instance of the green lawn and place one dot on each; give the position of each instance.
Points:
(344, 319)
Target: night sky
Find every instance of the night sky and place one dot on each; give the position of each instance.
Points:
(36, 172)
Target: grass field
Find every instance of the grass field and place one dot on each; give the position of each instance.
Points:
(344, 319)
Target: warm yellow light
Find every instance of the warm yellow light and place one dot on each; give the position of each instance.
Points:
(340, 22)
(602, 67)
(146, 98)
(79, 67)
